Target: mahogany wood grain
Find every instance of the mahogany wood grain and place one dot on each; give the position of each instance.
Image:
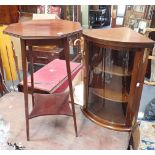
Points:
(44, 32)
(124, 37)
(104, 123)
(31, 71)
(9, 14)
(24, 67)
(66, 51)
(120, 40)
(136, 86)
(49, 29)
(50, 104)
(86, 74)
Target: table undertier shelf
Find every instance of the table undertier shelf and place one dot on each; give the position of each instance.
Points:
(51, 104)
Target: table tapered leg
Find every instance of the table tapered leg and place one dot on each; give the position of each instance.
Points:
(25, 88)
(66, 51)
(31, 71)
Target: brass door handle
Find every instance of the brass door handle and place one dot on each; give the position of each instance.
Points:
(81, 42)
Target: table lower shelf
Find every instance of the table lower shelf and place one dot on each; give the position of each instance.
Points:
(51, 104)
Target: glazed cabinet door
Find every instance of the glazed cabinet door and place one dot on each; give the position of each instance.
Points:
(113, 80)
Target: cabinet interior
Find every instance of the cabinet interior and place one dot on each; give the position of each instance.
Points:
(110, 73)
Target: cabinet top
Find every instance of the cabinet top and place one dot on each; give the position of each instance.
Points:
(40, 29)
(120, 37)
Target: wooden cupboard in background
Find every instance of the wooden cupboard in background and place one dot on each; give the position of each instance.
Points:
(68, 12)
(99, 16)
(9, 14)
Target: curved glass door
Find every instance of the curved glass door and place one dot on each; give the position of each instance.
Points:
(110, 73)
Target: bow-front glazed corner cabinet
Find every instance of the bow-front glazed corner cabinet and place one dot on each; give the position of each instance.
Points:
(115, 65)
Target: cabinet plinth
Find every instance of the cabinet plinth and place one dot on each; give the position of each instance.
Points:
(115, 65)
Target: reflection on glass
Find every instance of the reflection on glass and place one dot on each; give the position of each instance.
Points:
(109, 83)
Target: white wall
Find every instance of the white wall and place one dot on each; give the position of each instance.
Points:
(84, 12)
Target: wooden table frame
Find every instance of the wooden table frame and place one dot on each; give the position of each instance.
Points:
(30, 41)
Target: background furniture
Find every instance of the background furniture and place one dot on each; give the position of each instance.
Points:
(9, 14)
(116, 61)
(99, 15)
(117, 16)
(62, 30)
(135, 13)
(138, 17)
(70, 12)
(150, 72)
(152, 36)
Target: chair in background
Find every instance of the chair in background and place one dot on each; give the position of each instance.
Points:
(8, 62)
(3, 88)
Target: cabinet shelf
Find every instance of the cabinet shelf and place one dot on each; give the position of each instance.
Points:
(111, 95)
(115, 70)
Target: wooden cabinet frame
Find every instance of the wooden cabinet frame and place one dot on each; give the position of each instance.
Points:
(117, 40)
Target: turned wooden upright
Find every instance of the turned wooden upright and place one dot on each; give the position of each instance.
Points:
(44, 32)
